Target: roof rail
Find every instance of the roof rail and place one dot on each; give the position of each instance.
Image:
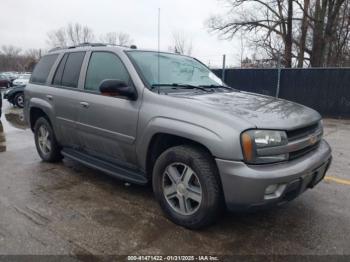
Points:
(55, 49)
(86, 44)
(90, 44)
(126, 46)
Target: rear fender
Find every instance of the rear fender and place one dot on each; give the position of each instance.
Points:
(42, 105)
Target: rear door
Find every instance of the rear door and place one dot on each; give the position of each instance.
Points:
(107, 125)
(66, 96)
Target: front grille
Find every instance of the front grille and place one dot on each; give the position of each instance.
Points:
(302, 152)
(303, 134)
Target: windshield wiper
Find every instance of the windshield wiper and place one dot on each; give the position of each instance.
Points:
(219, 86)
(186, 86)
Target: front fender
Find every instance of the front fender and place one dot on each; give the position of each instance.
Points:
(202, 135)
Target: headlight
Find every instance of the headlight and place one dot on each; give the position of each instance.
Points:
(256, 144)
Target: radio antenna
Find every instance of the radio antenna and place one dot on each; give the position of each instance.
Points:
(158, 66)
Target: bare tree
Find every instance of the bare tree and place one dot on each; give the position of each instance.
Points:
(13, 59)
(10, 50)
(339, 51)
(9, 58)
(182, 44)
(72, 34)
(306, 30)
(33, 53)
(57, 38)
(78, 34)
(117, 38)
(303, 33)
(326, 22)
(30, 58)
(266, 21)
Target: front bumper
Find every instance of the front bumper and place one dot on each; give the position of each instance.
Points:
(244, 185)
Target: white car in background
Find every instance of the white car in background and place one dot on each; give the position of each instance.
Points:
(22, 80)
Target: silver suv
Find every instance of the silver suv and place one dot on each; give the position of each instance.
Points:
(145, 116)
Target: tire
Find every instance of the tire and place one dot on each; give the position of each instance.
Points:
(19, 100)
(8, 85)
(47, 153)
(192, 214)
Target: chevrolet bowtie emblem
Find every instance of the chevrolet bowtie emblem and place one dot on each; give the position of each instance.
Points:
(313, 139)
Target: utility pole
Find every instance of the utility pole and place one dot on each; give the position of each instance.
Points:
(223, 68)
(158, 62)
(278, 75)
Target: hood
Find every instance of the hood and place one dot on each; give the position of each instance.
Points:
(259, 110)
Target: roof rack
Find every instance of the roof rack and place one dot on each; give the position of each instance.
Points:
(87, 44)
(55, 49)
(90, 44)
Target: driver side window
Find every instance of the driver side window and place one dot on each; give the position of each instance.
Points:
(104, 65)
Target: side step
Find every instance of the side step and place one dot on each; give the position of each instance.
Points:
(129, 175)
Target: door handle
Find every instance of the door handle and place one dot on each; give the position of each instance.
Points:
(49, 97)
(84, 104)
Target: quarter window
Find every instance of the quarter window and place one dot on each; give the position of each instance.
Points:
(42, 69)
(59, 72)
(104, 65)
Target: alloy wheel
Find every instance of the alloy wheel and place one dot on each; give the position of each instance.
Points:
(182, 189)
(44, 140)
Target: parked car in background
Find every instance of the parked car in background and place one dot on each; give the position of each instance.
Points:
(15, 95)
(5, 82)
(11, 76)
(201, 144)
(22, 79)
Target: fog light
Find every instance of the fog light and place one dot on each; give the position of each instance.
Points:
(271, 189)
(274, 191)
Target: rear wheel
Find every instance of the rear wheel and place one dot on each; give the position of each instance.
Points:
(45, 141)
(19, 100)
(187, 186)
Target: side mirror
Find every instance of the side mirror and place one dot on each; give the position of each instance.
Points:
(115, 87)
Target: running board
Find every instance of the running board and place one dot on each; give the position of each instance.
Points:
(125, 174)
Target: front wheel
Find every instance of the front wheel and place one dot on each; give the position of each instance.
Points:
(19, 100)
(186, 184)
(45, 141)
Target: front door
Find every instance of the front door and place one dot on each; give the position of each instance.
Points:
(107, 125)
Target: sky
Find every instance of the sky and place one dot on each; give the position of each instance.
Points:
(27, 23)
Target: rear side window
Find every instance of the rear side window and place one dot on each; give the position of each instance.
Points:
(68, 71)
(42, 69)
(104, 65)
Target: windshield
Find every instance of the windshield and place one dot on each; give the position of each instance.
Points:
(169, 69)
